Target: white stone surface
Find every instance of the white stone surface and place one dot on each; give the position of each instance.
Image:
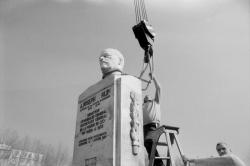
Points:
(103, 127)
(230, 160)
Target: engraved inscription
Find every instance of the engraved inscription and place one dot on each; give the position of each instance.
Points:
(94, 117)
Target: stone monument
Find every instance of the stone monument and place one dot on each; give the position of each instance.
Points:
(109, 126)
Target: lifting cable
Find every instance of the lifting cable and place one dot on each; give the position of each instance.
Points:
(140, 11)
(145, 35)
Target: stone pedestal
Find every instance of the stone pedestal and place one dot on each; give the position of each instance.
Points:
(109, 127)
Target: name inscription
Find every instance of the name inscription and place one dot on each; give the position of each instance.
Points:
(95, 114)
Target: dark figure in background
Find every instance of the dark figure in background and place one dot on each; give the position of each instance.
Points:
(151, 118)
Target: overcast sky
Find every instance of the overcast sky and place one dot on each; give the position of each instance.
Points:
(49, 55)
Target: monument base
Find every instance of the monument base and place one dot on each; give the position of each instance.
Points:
(109, 127)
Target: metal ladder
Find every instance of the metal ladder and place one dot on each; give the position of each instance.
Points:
(171, 140)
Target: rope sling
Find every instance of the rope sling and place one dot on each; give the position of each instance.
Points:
(145, 35)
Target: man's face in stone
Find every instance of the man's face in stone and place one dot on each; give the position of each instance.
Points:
(109, 62)
(222, 149)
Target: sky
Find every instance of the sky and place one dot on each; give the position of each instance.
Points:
(49, 53)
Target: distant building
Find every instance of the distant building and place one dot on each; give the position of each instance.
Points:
(14, 157)
(4, 147)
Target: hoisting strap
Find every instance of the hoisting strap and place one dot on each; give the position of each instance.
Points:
(145, 35)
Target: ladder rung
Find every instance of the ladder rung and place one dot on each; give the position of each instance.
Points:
(162, 144)
(162, 158)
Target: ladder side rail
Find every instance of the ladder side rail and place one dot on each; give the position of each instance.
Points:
(170, 148)
(178, 144)
(180, 149)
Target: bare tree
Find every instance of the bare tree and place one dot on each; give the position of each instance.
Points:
(9, 137)
(53, 155)
(62, 156)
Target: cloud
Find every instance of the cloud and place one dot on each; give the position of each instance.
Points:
(95, 1)
(63, 1)
(9, 5)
